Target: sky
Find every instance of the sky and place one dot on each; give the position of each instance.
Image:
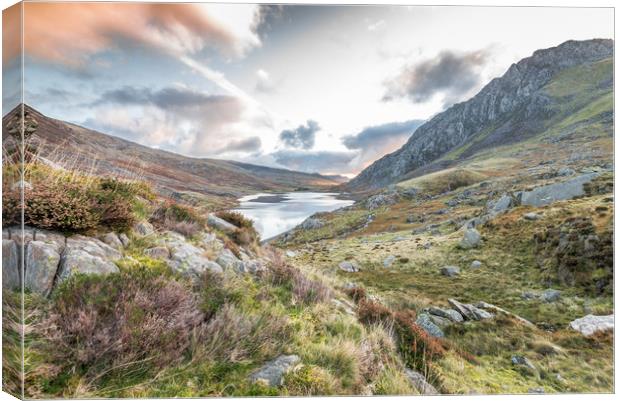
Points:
(324, 89)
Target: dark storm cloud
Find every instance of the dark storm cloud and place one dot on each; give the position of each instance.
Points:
(166, 98)
(251, 144)
(450, 73)
(377, 135)
(314, 161)
(301, 137)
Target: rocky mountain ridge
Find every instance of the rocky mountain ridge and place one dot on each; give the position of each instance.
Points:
(508, 109)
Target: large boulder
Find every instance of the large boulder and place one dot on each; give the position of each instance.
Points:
(11, 276)
(229, 261)
(349, 267)
(41, 262)
(500, 205)
(547, 194)
(113, 240)
(272, 373)
(468, 311)
(592, 324)
(220, 224)
(471, 239)
(187, 258)
(450, 314)
(425, 322)
(88, 256)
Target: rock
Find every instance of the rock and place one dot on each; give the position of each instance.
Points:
(113, 240)
(42, 260)
(519, 360)
(476, 264)
(418, 381)
(566, 171)
(252, 266)
(311, 223)
(412, 219)
(387, 262)
(379, 200)
(50, 237)
(547, 194)
(187, 258)
(591, 324)
(500, 205)
(229, 261)
(440, 321)
(536, 390)
(291, 254)
(87, 255)
(11, 275)
(143, 228)
(450, 314)
(349, 267)
(157, 252)
(220, 224)
(497, 309)
(124, 239)
(425, 322)
(531, 216)
(450, 271)
(25, 185)
(471, 239)
(550, 295)
(468, 311)
(272, 372)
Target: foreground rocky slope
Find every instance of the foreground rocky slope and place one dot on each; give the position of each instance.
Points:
(509, 109)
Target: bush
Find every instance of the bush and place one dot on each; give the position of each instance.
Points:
(175, 217)
(304, 290)
(136, 319)
(235, 218)
(309, 380)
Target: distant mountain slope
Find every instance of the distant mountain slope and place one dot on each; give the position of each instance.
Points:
(172, 174)
(522, 103)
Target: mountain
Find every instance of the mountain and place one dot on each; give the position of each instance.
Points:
(529, 99)
(208, 181)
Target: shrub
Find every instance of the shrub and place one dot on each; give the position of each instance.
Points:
(308, 380)
(235, 218)
(357, 294)
(304, 290)
(179, 218)
(135, 319)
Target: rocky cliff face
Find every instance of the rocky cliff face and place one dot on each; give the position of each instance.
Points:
(507, 109)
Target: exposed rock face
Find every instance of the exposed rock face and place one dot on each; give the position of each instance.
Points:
(516, 102)
(229, 261)
(187, 258)
(220, 224)
(311, 223)
(87, 255)
(11, 276)
(272, 372)
(547, 194)
(380, 200)
(42, 261)
(591, 324)
(157, 252)
(418, 381)
(113, 240)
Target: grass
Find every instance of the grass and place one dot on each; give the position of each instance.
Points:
(444, 180)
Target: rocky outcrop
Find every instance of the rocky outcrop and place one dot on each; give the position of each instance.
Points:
(11, 275)
(468, 311)
(86, 255)
(565, 190)
(272, 373)
(514, 103)
(591, 324)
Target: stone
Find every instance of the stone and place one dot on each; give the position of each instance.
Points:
(113, 240)
(272, 373)
(157, 252)
(547, 194)
(87, 256)
(566, 171)
(291, 254)
(220, 224)
(349, 267)
(536, 390)
(476, 264)
(591, 324)
(471, 239)
(450, 271)
(11, 275)
(450, 314)
(252, 266)
(531, 216)
(143, 228)
(50, 237)
(425, 322)
(187, 258)
(468, 311)
(229, 261)
(124, 239)
(440, 321)
(551, 295)
(497, 309)
(311, 223)
(500, 205)
(380, 200)
(387, 262)
(41, 262)
(418, 381)
(519, 360)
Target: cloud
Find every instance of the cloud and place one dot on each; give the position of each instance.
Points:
(376, 25)
(451, 74)
(264, 82)
(326, 162)
(265, 18)
(301, 137)
(247, 145)
(174, 28)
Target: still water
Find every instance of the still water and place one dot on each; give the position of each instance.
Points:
(274, 214)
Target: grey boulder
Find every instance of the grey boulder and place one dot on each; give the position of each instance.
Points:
(418, 381)
(42, 260)
(450, 314)
(10, 265)
(426, 323)
(88, 256)
(547, 194)
(220, 224)
(272, 373)
(349, 267)
(450, 271)
(591, 324)
(471, 239)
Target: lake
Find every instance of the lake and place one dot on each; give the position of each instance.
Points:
(274, 214)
